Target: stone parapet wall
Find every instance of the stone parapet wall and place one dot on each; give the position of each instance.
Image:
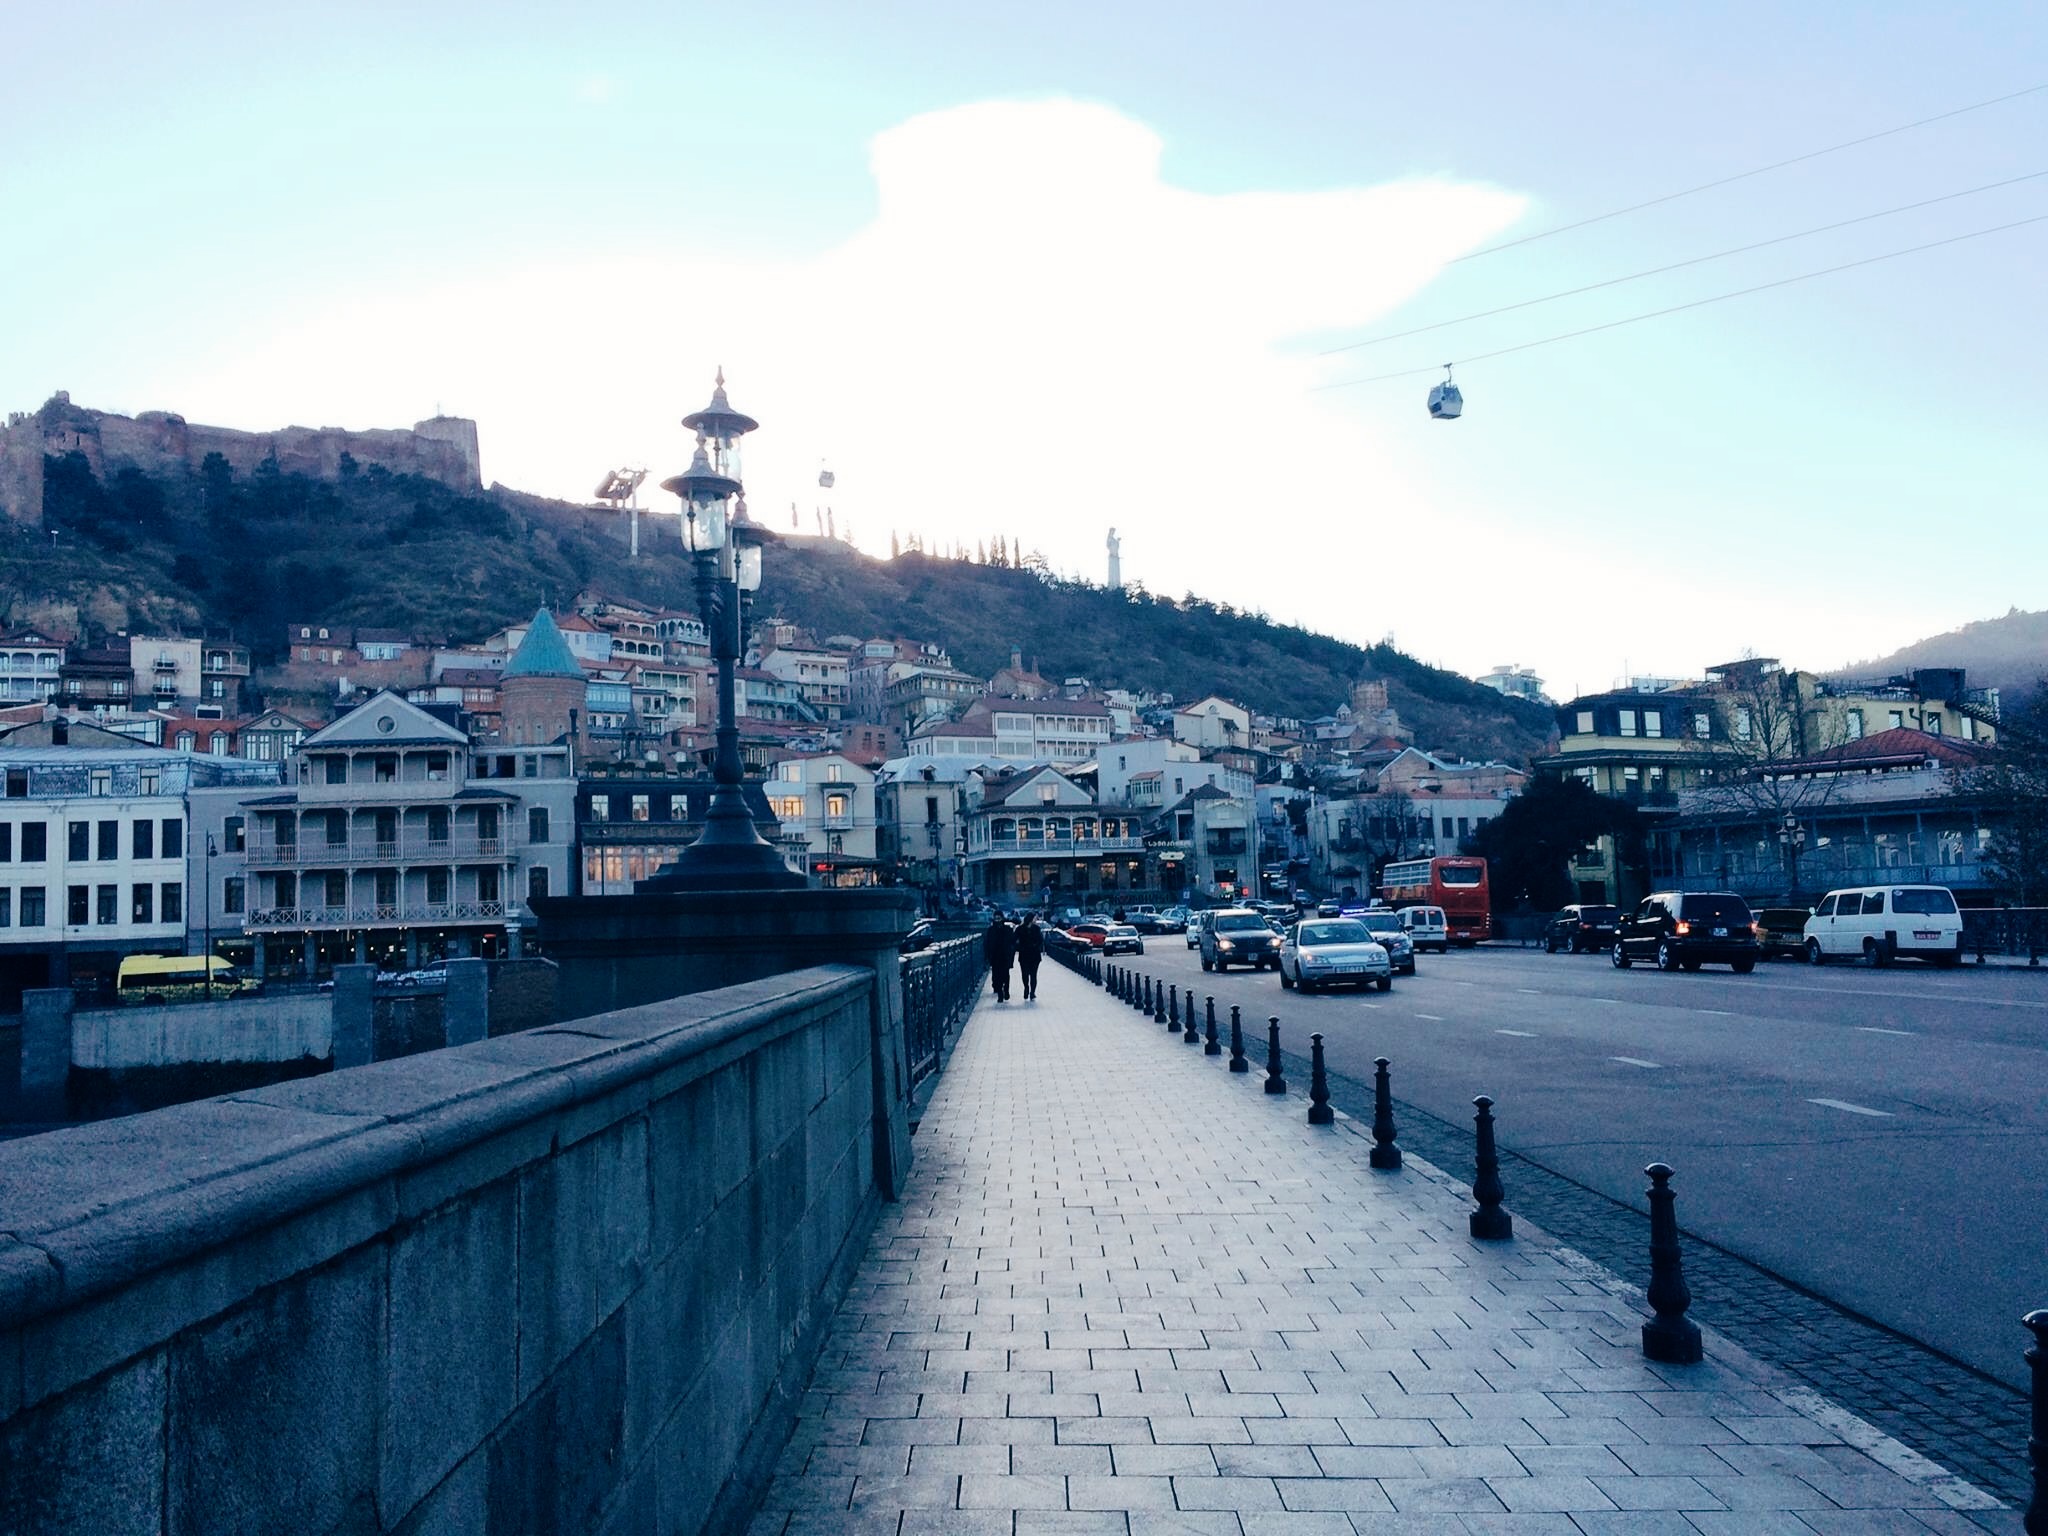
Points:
(571, 1279)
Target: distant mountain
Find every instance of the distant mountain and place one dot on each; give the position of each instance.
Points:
(2009, 654)
(216, 549)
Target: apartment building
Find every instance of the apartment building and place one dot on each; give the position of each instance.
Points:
(29, 665)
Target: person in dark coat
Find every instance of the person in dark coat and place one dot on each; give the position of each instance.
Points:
(999, 944)
(1030, 950)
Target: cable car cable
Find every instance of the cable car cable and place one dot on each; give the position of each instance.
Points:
(1777, 165)
(1480, 357)
(1738, 250)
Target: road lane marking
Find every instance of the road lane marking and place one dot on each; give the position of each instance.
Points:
(1719, 1013)
(1633, 1061)
(1530, 991)
(1434, 1018)
(1519, 1034)
(1853, 1109)
(1872, 1029)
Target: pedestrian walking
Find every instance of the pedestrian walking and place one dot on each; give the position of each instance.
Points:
(1030, 950)
(999, 944)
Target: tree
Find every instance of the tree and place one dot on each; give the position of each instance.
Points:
(2014, 789)
(1528, 848)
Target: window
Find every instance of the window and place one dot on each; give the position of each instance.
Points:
(1628, 722)
(1584, 726)
(1742, 724)
(35, 842)
(787, 807)
(678, 807)
(233, 835)
(335, 893)
(437, 887)
(287, 890)
(537, 824)
(640, 807)
(1702, 725)
(385, 888)
(107, 905)
(1896, 719)
(337, 829)
(931, 808)
(33, 913)
(386, 768)
(437, 825)
(1852, 725)
(1048, 793)
(78, 905)
(234, 895)
(101, 785)
(142, 903)
(1653, 722)
(17, 783)
(6, 907)
(336, 769)
(1934, 725)
(600, 807)
(536, 881)
(144, 833)
(487, 884)
(6, 841)
(437, 766)
(529, 767)
(149, 782)
(216, 689)
(109, 839)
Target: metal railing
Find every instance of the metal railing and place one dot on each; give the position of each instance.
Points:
(939, 987)
(2008, 931)
(376, 850)
(377, 913)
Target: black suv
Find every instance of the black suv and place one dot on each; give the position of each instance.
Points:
(1576, 930)
(1239, 936)
(1684, 930)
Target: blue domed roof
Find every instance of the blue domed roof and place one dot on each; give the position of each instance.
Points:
(543, 653)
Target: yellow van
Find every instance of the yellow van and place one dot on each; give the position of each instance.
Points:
(178, 978)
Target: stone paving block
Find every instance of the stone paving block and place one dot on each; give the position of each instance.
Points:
(1440, 1495)
(984, 1491)
(1633, 1522)
(1062, 1460)
(1150, 1522)
(1071, 1522)
(1226, 1493)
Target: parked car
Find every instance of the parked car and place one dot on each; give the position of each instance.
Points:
(1882, 923)
(1173, 920)
(1427, 927)
(1387, 932)
(1107, 938)
(1781, 932)
(1683, 930)
(1238, 936)
(1319, 952)
(1582, 930)
(1197, 921)
(921, 934)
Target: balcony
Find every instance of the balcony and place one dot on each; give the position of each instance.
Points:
(374, 915)
(163, 665)
(839, 821)
(1025, 848)
(317, 853)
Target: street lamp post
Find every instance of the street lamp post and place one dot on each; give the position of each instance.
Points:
(1792, 839)
(726, 546)
(207, 954)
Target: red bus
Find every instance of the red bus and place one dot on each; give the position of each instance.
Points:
(1456, 885)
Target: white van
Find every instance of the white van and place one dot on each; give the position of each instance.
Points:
(1883, 923)
(1427, 927)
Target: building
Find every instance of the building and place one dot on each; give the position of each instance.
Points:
(1019, 730)
(30, 662)
(1036, 835)
(1206, 841)
(207, 675)
(97, 681)
(543, 690)
(921, 806)
(396, 840)
(93, 857)
(825, 805)
(1213, 723)
(1516, 682)
(633, 820)
(821, 678)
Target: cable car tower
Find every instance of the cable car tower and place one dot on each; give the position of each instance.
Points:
(621, 488)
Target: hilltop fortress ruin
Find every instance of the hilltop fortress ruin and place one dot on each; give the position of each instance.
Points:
(442, 448)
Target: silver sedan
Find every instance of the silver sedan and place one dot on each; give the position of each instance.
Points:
(1330, 951)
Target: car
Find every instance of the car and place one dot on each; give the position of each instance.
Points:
(1882, 923)
(1238, 936)
(1329, 906)
(1173, 920)
(1582, 930)
(1428, 928)
(921, 934)
(1683, 930)
(1319, 952)
(1387, 932)
(1781, 932)
(1197, 921)
(1107, 938)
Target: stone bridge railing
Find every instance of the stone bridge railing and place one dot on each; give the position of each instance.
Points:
(567, 1280)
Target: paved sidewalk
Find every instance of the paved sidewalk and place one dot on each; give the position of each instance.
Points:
(1129, 1292)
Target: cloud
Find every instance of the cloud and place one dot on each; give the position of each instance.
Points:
(1037, 334)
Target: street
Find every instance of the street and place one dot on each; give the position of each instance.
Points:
(1872, 1136)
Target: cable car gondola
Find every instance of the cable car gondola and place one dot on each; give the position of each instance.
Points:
(1445, 403)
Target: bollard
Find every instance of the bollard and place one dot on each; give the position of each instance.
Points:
(1173, 1008)
(1147, 1008)
(1319, 1111)
(1237, 1061)
(1215, 1046)
(1669, 1337)
(1385, 1156)
(2036, 1523)
(1275, 1083)
(1193, 1034)
(1489, 1221)
(1158, 1003)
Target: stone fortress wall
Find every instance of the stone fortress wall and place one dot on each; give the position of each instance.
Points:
(442, 448)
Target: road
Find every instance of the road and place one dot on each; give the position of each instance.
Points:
(1873, 1136)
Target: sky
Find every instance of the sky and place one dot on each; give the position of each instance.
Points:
(1041, 271)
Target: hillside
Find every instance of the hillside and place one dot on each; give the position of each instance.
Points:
(2008, 653)
(249, 554)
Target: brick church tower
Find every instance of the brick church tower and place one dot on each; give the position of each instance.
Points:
(541, 689)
